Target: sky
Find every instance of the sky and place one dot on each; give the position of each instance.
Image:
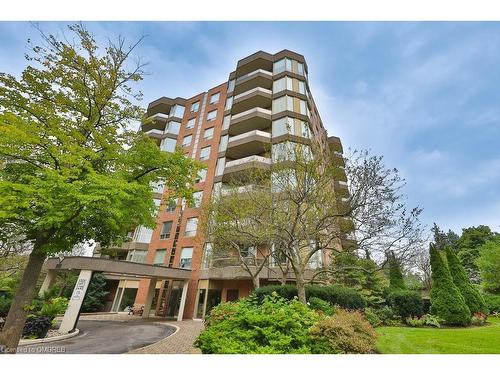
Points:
(426, 95)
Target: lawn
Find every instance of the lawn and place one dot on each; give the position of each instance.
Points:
(475, 340)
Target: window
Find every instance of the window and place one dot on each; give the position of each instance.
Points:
(227, 120)
(279, 85)
(279, 105)
(285, 103)
(171, 206)
(173, 127)
(302, 87)
(300, 68)
(187, 141)
(220, 166)
(177, 111)
(214, 98)
(165, 230)
(223, 143)
(230, 86)
(195, 106)
(209, 133)
(229, 103)
(279, 66)
(138, 256)
(205, 153)
(191, 226)
(168, 144)
(217, 189)
(160, 256)
(186, 257)
(190, 123)
(248, 251)
(207, 256)
(303, 107)
(197, 198)
(316, 259)
(202, 175)
(211, 115)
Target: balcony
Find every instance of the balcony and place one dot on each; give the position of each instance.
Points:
(335, 144)
(253, 142)
(155, 133)
(239, 190)
(156, 121)
(253, 119)
(233, 167)
(257, 78)
(256, 97)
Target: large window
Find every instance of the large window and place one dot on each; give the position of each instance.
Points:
(190, 123)
(168, 144)
(187, 140)
(289, 65)
(229, 103)
(197, 198)
(205, 153)
(215, 98)
(160, 256)
(225, 123)
(209, 133)
(289, 103)
(288, 83)
(195, 106)
(290, 150)
(165, 230)
(230, 86)
(207, 256)
(138, 256)
(186, 257)
(220, 166)
(191, 227)
(202, 175)
(177, 111)
(288, 125)
(211, 115)
(173, 127)
(171, 205)
(223, 143)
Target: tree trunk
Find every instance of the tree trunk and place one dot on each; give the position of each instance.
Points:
(301, 287)
(16, 318)
(256, 281)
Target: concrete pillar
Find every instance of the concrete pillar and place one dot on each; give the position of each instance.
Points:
(75, 303)
(180, 314)
(149, 298)
(47, 282)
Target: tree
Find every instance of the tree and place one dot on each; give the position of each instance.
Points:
(473, 299)
(71, 168)
(446, 300)
(489, 265)
(443, 240)
(423, 266)
(96, 292)
(396, 280)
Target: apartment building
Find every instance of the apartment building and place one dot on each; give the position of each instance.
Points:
(232, 127)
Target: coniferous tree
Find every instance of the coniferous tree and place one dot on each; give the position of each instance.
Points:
(473, 299)
(446, 300)
(396, 280)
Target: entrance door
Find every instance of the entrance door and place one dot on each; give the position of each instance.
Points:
(214, 298)
(201, 303)
(174, 299)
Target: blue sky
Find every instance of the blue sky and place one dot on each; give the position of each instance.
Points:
(424, 95)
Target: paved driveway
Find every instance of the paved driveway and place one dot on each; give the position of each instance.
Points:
(107, 337)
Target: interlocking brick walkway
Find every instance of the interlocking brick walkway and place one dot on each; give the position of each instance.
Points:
(181, 342)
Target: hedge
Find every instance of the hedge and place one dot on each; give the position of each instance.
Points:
(338, 295)
(406, 303)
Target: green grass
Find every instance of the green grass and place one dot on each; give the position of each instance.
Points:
(474, 340)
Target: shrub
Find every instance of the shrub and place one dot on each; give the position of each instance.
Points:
(492, 302)
(471, 295)
(5, 305)
(346, 332)
(36, 326)
(318, 304)
(426, 320)
(275, 326)
(96, 294)
(406, 303)
(372, 317)
(479, 319)
(446, 300)
(415, 322)
(54, 307)
(396, 280)
(345, 297)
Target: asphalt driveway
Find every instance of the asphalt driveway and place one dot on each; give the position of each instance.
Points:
(105, 337)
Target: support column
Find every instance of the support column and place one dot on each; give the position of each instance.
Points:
(75, 303)
(149, 298)
(180, 314)
(47, 282)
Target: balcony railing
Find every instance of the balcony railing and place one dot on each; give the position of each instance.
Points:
(248, 159)
(256, 111)
(159, 117)
(255, 90)
(155, 133)
(255, 72)
(250, 134)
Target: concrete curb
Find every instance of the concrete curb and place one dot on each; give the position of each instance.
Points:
(177, 328)
(49, 339)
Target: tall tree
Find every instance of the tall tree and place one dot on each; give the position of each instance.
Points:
(489, 265)
(71, 167)
(473, 299)
(446, 300)
(396, 280)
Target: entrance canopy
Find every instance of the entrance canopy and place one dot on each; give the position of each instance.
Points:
(117, 267)
(89, 265)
